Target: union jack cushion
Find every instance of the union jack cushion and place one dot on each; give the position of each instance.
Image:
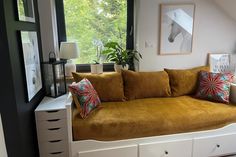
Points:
(87, 96)
(214, 86)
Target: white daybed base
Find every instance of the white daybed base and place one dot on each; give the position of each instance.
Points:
(209, 143)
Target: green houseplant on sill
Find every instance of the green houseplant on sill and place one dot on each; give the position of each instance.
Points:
(97, 66)
(121, 57)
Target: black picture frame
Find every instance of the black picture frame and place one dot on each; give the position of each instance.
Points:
(32, 69)
(25, 11)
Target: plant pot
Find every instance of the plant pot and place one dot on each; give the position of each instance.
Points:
(126, 67)
(118, 68)
(96, 68)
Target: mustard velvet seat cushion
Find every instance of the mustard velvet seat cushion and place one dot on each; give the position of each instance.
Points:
(109, 86)
(151, 117)
(184, 82)
(140, 85)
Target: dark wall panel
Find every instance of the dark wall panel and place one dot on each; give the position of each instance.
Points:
(8, 108)
(17, 113)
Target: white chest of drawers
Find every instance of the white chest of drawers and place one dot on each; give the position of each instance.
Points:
(51, 125)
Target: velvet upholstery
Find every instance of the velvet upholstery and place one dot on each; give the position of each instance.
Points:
(152, 117)
(109, 86)
(76, 101)
(140, 85)
(184, 82)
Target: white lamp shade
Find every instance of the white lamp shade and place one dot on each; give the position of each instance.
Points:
(69, 50)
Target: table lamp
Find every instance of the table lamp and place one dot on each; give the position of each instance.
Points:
(69, 51)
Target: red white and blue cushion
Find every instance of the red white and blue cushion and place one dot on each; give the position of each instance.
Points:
(214, 86)
(87, 96)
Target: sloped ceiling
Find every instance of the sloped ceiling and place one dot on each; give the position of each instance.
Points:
(229, 6)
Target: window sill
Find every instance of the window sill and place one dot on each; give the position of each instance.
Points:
(85, 68)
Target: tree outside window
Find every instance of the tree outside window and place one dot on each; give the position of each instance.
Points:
(93, 23)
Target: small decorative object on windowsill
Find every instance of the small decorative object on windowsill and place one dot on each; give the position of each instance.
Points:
(123, 58)
(69, 51)
(54, 77)
(97, 66)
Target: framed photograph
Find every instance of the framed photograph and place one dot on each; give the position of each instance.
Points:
(26, 10)
(176, 28)
(219, 63)
(29, 43)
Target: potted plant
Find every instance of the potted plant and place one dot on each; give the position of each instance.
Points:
(121, 57)
(97, 67)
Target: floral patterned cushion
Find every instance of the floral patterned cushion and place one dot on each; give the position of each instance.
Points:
(214, 86)
(87, 96)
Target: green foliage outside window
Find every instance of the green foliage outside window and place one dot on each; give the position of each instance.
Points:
(94, 22)
(21, 10)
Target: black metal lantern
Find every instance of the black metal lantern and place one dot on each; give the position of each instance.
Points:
(54, 78)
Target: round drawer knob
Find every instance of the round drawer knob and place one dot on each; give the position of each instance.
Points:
(218, 146)
(166, 152)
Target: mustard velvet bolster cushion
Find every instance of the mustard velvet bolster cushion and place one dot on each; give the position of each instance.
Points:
(109, 86)
(140, 85)
(184, 82)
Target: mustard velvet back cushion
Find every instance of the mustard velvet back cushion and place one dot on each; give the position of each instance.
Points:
(109, 86)
(139, 85)
(184, 82)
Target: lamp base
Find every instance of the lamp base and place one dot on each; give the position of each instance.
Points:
(69, 68)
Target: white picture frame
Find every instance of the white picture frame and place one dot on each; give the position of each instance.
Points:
(176, 29)
(32, 66)
(219, 62)
(25, 10)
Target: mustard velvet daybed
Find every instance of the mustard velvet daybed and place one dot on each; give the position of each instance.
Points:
(171, 123)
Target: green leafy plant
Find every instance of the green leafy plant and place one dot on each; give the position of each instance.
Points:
(115, 53)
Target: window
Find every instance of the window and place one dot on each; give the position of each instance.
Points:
(92, 23)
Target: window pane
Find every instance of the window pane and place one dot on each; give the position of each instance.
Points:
(93, 22)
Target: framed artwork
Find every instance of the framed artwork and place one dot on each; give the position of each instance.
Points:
(176, 28)
(29, 43)
(26, 10)
(219, 63)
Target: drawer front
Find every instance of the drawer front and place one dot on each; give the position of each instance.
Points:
(214, 146)
(129, 151)
(54, 147)
(181, 148)
(56, 154)
(50, 115)
(53, 123)
(52, 134)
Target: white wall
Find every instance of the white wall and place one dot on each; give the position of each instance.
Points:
(48, 26)
(3, 152)
(214, 31)
(228, 6)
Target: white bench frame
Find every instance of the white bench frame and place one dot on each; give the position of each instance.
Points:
(76, 147)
